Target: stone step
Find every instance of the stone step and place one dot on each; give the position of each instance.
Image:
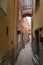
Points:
(35, 61)
(36, 56)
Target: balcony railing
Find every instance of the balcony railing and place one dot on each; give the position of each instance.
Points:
(27, 7)
(27, 4)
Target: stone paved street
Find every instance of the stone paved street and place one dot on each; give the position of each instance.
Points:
(25, 56)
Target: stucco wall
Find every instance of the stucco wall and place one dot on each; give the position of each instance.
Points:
(38, 16)
(7, 21)
(37, 23)
(25, 29)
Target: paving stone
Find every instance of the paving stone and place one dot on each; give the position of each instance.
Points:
(25, 56)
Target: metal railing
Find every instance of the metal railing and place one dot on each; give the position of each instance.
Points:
(26, 7)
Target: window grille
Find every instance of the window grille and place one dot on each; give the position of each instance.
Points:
(27, 4)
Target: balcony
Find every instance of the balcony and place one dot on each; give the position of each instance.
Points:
(27, 4)
(26, 7)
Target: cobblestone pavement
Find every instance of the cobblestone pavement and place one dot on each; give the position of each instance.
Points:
(25, 56)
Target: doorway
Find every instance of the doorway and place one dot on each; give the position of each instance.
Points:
(37, 41)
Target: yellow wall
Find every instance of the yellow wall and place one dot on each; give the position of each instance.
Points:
(8, 20)
(38, 16)
(25, 29)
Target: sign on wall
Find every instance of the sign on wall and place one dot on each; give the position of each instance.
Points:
(3, 6)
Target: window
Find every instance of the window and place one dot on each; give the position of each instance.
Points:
(27, 4)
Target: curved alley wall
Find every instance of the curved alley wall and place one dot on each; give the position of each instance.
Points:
(38, 16)
(6, 41)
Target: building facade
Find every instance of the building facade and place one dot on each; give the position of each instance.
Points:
(38, 30)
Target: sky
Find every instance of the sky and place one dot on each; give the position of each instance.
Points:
(29, 20)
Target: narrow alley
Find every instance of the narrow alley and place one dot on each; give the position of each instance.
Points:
(25, 56)
(20, 22)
